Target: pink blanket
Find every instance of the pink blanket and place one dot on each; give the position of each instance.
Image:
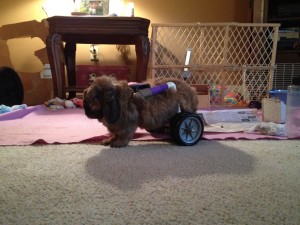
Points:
(38, 124)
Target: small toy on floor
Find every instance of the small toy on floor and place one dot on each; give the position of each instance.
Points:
(78, 102)
(5, 109)
(57, 103)
(269, 128)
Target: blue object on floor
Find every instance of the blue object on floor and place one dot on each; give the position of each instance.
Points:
(279, 94)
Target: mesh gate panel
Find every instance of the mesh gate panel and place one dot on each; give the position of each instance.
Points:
(284, 75)
(229, 57)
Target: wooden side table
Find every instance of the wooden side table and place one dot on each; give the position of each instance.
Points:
(92, 30)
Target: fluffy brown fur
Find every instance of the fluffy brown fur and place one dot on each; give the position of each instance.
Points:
(114, 104)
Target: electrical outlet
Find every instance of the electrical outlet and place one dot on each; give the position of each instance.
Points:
(46, 73)
(94, 53)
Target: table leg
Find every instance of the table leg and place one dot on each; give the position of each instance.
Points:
(70, 56)
(142, 49)
(56, 59)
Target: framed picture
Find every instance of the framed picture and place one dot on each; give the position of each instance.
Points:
(93, 7)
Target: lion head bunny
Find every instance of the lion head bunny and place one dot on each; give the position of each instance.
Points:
(115, 104)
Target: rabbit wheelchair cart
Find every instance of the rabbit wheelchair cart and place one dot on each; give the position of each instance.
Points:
(185, 128)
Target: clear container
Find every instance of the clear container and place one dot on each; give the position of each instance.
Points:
(292, 124)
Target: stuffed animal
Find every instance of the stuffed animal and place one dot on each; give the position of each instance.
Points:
(57, 103)
(5, 109)
(78, 102)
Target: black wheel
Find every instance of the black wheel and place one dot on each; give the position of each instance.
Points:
(187, 129)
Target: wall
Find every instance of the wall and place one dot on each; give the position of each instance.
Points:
(177, 11)
(23, 47)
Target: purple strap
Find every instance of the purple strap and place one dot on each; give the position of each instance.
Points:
(158, 89)
(155, 90)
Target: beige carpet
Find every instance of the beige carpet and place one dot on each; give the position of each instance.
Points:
(214, 182)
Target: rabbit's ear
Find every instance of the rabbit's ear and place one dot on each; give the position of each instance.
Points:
(111, 109)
